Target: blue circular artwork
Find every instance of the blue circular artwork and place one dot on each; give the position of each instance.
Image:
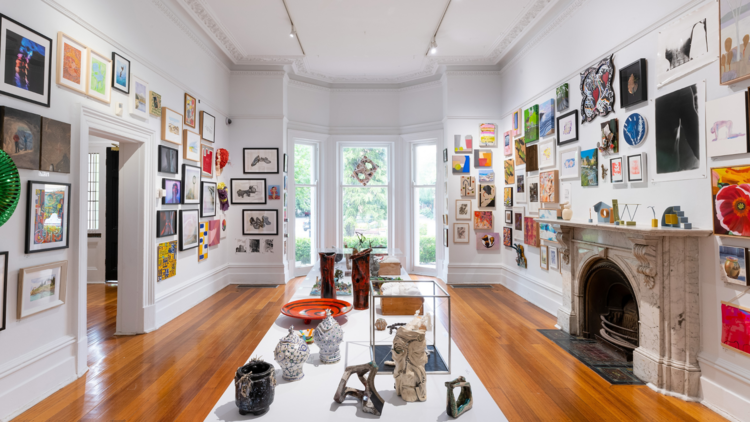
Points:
(634, 131)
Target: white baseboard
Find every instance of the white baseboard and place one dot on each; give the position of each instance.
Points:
(473, 274)
(536, 291)
(720, 382)
(182, 298)
(256, 273)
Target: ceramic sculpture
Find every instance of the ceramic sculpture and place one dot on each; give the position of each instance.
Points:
(455, 408)
(328, 335)
(291, 353)
(10, 187)
(410, 356)
(254, 387)
(567, 213)
(327, 280)
(380, 324)
(371, 401)
(361, 279)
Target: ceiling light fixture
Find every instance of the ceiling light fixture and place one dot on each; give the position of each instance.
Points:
(433, 44)
(293, 33)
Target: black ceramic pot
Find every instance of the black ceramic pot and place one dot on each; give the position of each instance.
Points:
(254, 387)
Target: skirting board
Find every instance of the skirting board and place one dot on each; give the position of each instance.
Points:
(538, 292)
(256, 273)
(174, 305)
(720, 380)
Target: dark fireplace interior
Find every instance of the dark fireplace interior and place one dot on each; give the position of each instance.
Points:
(611, 311)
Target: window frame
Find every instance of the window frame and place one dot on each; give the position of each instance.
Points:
(98, 192)
(315, 208)
(413, 209)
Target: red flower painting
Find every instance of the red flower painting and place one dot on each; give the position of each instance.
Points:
(731, 206)
(735, 327)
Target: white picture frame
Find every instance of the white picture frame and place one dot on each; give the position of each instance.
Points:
(103, 79)
(41, 287)
(191, 146)
(64, 78)
(636, 161)
(570, 169)
(546, 153)
(726, 125)
(171, 126)
(461, 233)
(208, 127)
(553, 258)
(518, 223)
(139, 97)
(461, 213)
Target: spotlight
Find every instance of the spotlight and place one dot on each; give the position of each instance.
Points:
(433, 47)
(294, 31)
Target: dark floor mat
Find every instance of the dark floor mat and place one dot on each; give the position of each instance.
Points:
(435, 362)
(608, 365)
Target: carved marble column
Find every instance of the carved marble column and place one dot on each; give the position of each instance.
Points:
(566, 316)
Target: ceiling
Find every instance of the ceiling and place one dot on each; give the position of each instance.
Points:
(365, 41)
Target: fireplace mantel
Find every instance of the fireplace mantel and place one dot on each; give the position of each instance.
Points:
(642, 230)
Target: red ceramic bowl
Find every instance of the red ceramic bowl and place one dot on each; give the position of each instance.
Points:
(310, 309)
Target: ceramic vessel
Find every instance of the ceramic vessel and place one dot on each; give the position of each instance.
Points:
(567, 213)
(327, 280)
(328, 336)
(361, 279)
(455, 408)
(254, 387)
(380, 324)
(732, 267)
(291, 353)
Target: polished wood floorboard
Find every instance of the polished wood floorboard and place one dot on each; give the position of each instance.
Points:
(180, 371)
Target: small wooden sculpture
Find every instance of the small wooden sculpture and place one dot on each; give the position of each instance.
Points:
(371, 401)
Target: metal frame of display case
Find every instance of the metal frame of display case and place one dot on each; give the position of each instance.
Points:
(434, 297)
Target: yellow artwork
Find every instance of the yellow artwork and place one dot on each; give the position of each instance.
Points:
(167, 260)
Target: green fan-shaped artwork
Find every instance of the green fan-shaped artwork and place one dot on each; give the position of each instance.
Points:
(10, 187)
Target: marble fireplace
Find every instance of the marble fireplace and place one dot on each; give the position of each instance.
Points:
(661, 268)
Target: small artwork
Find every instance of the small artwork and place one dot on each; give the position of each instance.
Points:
(689, 43)
(518, 217)
(120, 73)
(616, 174)
(191, 146)
(733, 264)
(99, 75)
(517, 122)
(191, 177)
(26, 57)
(570, 163)
(468, 186)
(636, 167)
(48, 216)
(463, 209)
(567, 128)
(460, 232)
(507, 144)
(154, 103)
(546, 154)
(561, 93)
(726, 125)
(530, 231)
(72, 59)
(207, 161)
(488, 241)
(510, 172)
(488, 135)
(520, 187)
(260, 222)
(633, 87)
(610, 143)
(677, 113)
(208, 199)
(241, 246)
(445, 158)
(733, 27)
(507, 237)
(462, 144)
(735, 328)
(548, 185)
(166, 223)
(171, 126)
(41, 288)
(139, 97)
(168, 160)
(534, 202)
(254, 245)
(531, 124)
(461, 164)
(486, 176)
(482, 158)
(166, 260)
(208, 127)
(22, 134)
(173, 191)
(547, 118)
(520, 152)
(274, 192)
(590, 167)
(634, 130)
(55, 152)
(597, 95)
(566, 193)
(445, 237)
(214, 232)
(508, 216)
(547, 232)
(486, 196)
(543, 262)
(188, 229)
(532, 157)
(3, 288)
(731, 196)
(508, 196)
(191, 110)
(554, 262)
(483, 220)
(260, 160)
(203, 241)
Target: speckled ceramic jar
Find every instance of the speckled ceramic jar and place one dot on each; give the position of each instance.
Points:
(291, 353)
(328, 336)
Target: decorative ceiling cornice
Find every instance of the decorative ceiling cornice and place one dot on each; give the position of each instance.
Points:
(430, 68)
(313, 87)
(279, 73)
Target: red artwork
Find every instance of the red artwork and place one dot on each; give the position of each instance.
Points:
(361, 279)
(735, 328)
(208, 161)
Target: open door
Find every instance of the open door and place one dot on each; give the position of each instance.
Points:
(111, 221)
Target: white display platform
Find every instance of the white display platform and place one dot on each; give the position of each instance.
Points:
(311, 398)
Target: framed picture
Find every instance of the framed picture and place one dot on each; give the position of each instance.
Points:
(507, 143)
(208, 127)
(26, 57)
(461, 164)
(99, 75)
(202, 241)
(462, 144)
(570, 163)
(72, 62)
(445, 237)
(41, 288)
(460, 232)
(191, 146)
(726, 125)
(486, 176)
(636, 167)
(3, 288)
(616, 174)
(566, 193)
(286, 160)
(483, 220)
(208, 199)
(260, 222)
(468, 186)
(530, 231)
(531, 124)
(154, 102)
(166, 223)
(681, 55)
(520, 186)
(47, 216)
(274, 192)
(519, 152)
(561, 94)
(482, 158)
(554, 262)
(681, 111)
(543, 259)
(191, 178)
(21, 137)
(518, 216)
(546, 154)
(488, 135)
(463, 209)
(735, 324)
(517, 123)
(532, 157)
(168, 159)
(590, 167)
(547, 118)
(445, 155)
(508, 196)
(191, 110)
(733, 263)
(248, 191)
(207, 161)
(510, 172)
(633, 84)
(507, 237)
(548, 186)
(171, 126)
(188, 229)
(120, 73)
(487, 196)
(173, 190)
(166, 260)
(260, 160)
(508, 216)
(139, 97)
(55, 146)
(488, 241)
(214, 232)
(567, 128)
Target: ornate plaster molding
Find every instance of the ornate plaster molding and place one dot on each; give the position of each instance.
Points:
(429, 68)
(563, 238)
(644, 251)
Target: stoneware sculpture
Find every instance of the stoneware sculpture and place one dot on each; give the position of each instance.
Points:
(361, 279)
(328, 336)
(371, 401)
(380, 324)
(567, 213)
(291, 353)
(455, 408)
(254, 387)
(410, 357)
(327, 279)
(421, 323)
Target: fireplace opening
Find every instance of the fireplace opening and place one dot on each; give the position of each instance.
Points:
(611, 311)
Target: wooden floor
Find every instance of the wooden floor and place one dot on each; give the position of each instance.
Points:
(181, 370)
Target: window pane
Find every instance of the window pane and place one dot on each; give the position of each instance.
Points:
(379, 156)
(304, 171)
(366, 212)
(304, 229)
(425, 218)
(426, 167)
(93, 192)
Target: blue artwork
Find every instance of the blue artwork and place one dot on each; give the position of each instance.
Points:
(486, 176)
(25, 63)
(461, 164)
(634, 131)
(547, 118)
(122, 70)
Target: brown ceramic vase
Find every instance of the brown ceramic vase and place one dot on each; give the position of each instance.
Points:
(361, 279)
(327, 282)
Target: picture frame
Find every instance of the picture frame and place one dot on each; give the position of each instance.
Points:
(633, 84)
(189, 226)
(173, 189)
(517, 123)
(209, 199)
(508, 216)
(549, 186)
(735, 323)
(726, 189)
(468, 186)
(445, 155)
(463, 209)
(191, 178)
(25, 150)
(546, 153)
(72, 66)
(171, 126)
(616, 174)
(553, 258)
(590, 167)
(531, 124)
(247, 191)
(46, 230)
(286, 161)
(120, 73)
(154, 104)
(445, 237)
(461, 233)
(533, 188)
(39, 75)
(543, 257)
(190, 111)
(567, 128)
(727, 125)
(733, 265)
(207, 161)
(510, 172)
(521, 182)
(519, 152)
(99, 73)
(672, 41)
(168, 160)
(208, 127)
(166, 223)
(508, 237)
(139, 97)
(260, 222)
(3, 288)
(191, 146)
(570, 163)
(484, 220)
(518, 217)
(508, 196)
(636, 167)
(260, 160)
(44, 284)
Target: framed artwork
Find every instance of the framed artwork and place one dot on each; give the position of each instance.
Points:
(460, 232)
(487, 196)
(166, 223)
(202, 241)
(208, 199)
(554, 262)
(681, 111)
(520, 152)
(636, 167)
(615, 170)
(120, 73)
(274, 192)
(534, 202)
(561, 93)
(488, 135)
(3, 288)
(729, 197)
(72, 62)
(508, 216)
(547, 118)
(208, 127)
(735, 328)
(508, 237)
(55, 150)
(482, 158)
(154, 102)
(546, 231)
(483, 220)
(567, 128)
(488, 241)
(461, 164)
(260, 160)
(510, 172)
(41, 288)
(468, 186)
(247, 191)
(260, 222)
(530, 231)
(207, 161)
(733, 263)
(597, 95)
(171, 126)
(726, 125)
(566, 193)
(543, 262)
(99, 75)
(590, 167)
(680, 54)
(520, 186)
(191, 110)
(486, 176)
(532, 158)
(47, 216)
(168, 159)
(633, 84)
(445, 155)
(191, 178)
(548, 186)
(732, 30)
(546, 154)
(508, 196)
(507, 144)
(635, 129)
(462, 144)
(517, 122)
(463, 209)
(188, 229)
(214, 232)
(518, 217)
(166, 260)
(173, 190)
(22, 137)
(531, 124)
(139, 97)
(445, 236)
(610, 138)
(26, 57)
(191, 146)
(570, 163)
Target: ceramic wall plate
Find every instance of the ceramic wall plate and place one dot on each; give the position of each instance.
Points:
(315, 309)
(635, 129)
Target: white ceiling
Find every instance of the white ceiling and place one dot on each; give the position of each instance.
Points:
(365, 41)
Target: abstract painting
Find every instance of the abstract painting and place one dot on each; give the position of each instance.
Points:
(488, 241)
(633, 87)
(173, 191)
(139, 97)
(191, 146)
(636, 167)
(547, 232)
(520, 152)
(561, 93)
(567, 128)
(554, 263)
(483, 220)
(610, 143)
(99, 75)
(468, 186)
(733, 264)
(188, 229)
(166, 260)
(171, 126)
(520, 186)
(203, 241)
(207, 161)
(517, 122)
(510, 177)
(530, 231)
(460, 232)
(154, 103)
(546, 154)
(462, 144)
(48, 216)
(461, 164)
(167, 160)
(548, 186)
(55, 153)
(260, 222)
(590, 167)
(486, 196)
(166, 223)
(518, 217)
(486, 176)
(274, 192)
(260, 160)
(678, 136)
(531, 124)
(488, 135)
(726, 125)
(616, 174)
(534, 203)
(735, 328)
(241, 246)
(688, 44)
(507, 236)
(208, 199)
(191, 177)
(482, 158)
(598, 97)
(507, 144)
(27, 62)
(635, 129)
(41, 288)
(120, 73)
(547, 118)
(21, 137)
(532, 157)
(208, 127)
(734, 36)
(214, 232)
(570, 163)
(463, 209)
(72, 59)
(191, 110)
(508, 197)
(730, 189)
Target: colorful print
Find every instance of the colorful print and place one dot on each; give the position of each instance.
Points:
(167, 260)
(507, 148)
(530, 231)
(598, 97)
(483, 220)
(25, 63)
(730, 187)
(461, 164)
(43, 286)
(547, 118)
(531, 123)
(562, 97)
(274, 192)
(548, 186)
(507, 236)
(21, 137)
(510, 169)
(72, 64)
(508, 197)
(735, 328)
(486, 176)
(488, 135)
(203, 241)
(520, 152)
(190, 110)
(483, 158)
(486, 196)
(98, 76)
(589, 167)
(49, 216)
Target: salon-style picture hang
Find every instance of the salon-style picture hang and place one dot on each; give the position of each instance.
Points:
(597, 95)
(48, 216)
(26, 62)
(260, 160)
(688, 43)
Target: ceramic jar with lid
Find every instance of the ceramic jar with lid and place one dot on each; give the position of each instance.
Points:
(328, 336)
(254, 387)
(291, 353)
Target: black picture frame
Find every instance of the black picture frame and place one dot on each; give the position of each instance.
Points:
(285, 162)
(164, 186)
(114, 73)
(276, 228)
(170, 214)
(184, 184)
(638, 69)
(203, 124)
(233, 200)
(244, 160)
(174, 157)
(216, 202)
(612, 173)
(182, 234)
(49, 53)
(445, 155)
(509, 217)
(4, 302)
(29, 196)
(559, 133)
(445, 237)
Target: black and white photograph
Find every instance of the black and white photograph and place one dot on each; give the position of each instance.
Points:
(567, 128)
(241, 246)
(268, 246)
(248, 191)
(260, 222)
(208, 127)
(260, 160)
(633, 84)
(254, 245)
(191, 182)
(209, 198)
(463, 209)
(168, 160)
(680, 151)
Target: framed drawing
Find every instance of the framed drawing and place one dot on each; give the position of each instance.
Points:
(154, 104)
(597, 95)
(72, 62)
(260, 222)
(171, 126)
(3, 288)
(166, 260)
(166, 223)
(41, 288)
(567, 128)
(188, 229)
(483, 220)
(570, 163)
(518, 216)
(733, 263)
(633, 84)
(683, 45)
(47, 216)
(260, 160)
(191, 146)
(735, 328)
(488, 241)
(191, 177)
(99, 75)
(120, 73)
(207, 161)
(168, 159)
(543, 257)
(546, 154)
(191, 110)
(208, 127)
(616, 174)
(636, 167)
(726, 125)
(463, 209)
(173, 190)
(139, 97)
(548, 186)
(26, 57)
(208, 199)
(248, 191)
(21, 137)
(460, 232)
